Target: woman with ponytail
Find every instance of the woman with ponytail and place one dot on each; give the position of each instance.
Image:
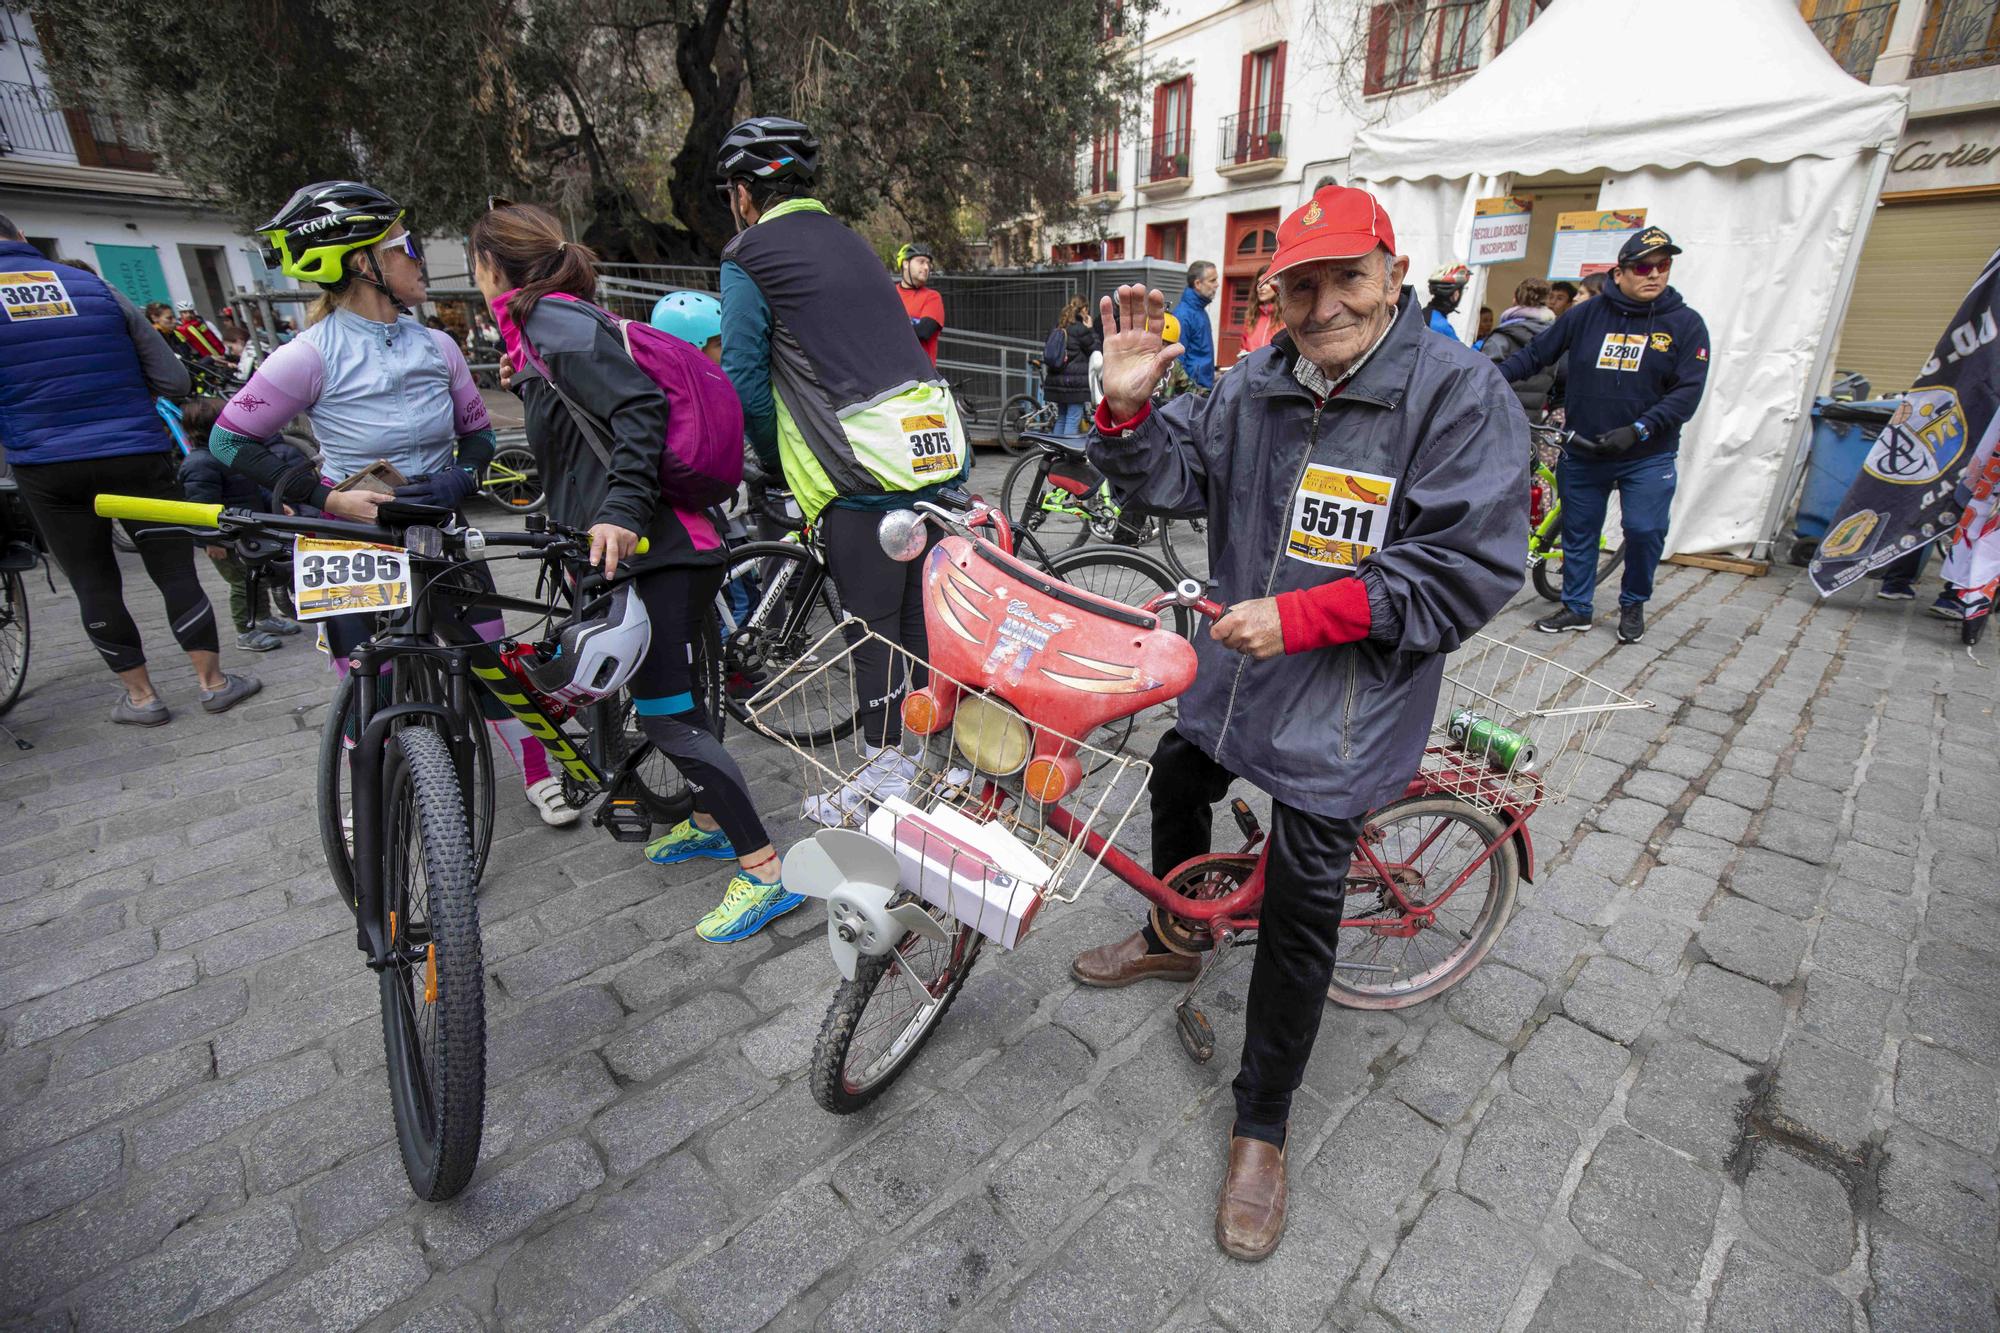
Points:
(598, 422)
(376, 384)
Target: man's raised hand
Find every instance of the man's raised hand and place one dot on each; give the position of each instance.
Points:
(1135, 355)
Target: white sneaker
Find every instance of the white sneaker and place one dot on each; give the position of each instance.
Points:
(888, 773)
(547, 798)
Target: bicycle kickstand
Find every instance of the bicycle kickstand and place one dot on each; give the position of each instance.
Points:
(1196, 1032)
(20, 742)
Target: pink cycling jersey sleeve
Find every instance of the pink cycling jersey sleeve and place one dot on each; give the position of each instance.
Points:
(468, 409)
(285, 383)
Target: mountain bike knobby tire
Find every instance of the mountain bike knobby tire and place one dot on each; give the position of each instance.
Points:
(1549, 577)
(434, 989)
(844, 1080)
(1445, 834)
(16, 636)
(335, 790)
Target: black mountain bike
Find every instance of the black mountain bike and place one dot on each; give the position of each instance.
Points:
(1056, 496)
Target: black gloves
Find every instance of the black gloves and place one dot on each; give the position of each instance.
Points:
(1611, 444)
(447, 488)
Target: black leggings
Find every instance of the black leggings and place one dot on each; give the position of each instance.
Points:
(889, 595)
(673, 718)
(1305, 884)
(61, 497)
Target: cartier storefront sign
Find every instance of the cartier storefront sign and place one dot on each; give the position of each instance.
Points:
(1946, 153)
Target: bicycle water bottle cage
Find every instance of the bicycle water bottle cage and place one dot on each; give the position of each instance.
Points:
(1064, 659)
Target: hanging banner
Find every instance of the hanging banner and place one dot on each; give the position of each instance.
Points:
(1908, 494)
(1500, 229)
(1588, 242)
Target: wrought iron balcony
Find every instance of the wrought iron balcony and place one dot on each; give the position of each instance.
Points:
(1958, 34)
(34, 128)
(1257, 135)
(1167, 158)
(1855, 38)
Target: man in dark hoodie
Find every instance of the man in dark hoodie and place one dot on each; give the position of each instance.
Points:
(1637, 363)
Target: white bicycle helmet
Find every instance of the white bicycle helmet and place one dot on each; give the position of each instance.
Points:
(596, 651)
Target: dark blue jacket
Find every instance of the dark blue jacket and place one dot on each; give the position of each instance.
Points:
(207, 481)
(1197, 336)
(1628, 362)
(1338, 731)
(72, 381)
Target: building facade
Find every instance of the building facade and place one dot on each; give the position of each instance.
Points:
(84, 185)
(1247, 107)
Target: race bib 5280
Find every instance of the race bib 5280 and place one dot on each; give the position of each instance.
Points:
(35, 294)
(932, 456)
(331, 577)
(1339, 518)
(1621, 351)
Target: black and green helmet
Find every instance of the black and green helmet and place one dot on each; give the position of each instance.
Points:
(320, 225)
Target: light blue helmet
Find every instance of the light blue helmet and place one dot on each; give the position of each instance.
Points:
(693, 317)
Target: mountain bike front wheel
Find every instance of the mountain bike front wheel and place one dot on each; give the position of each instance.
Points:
(1548, 571)
(433, 989)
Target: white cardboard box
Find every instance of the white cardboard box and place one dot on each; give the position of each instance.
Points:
(980, 873)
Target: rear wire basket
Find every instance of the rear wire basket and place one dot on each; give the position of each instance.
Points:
(1561, 713)
(841, 783)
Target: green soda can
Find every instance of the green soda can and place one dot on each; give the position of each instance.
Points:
(1503, 750)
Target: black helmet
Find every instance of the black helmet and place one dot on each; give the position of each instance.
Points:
(769, 149)
(320, 225)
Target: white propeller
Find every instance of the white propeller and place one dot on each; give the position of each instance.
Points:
(857, 876)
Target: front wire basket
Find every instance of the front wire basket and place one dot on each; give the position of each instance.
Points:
(1513, 728)
(947, 837)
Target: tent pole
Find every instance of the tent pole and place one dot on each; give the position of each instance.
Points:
(1796, 458)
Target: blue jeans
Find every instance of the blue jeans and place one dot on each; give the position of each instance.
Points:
(1070, 421)
(1645, 489)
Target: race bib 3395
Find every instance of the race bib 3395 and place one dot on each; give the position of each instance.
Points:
(1339, 518)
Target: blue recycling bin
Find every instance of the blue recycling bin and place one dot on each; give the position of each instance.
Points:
(1842, 435)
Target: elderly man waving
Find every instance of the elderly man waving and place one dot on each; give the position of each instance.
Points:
(1363, 480)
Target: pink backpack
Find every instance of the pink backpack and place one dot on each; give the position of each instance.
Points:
(701, 460)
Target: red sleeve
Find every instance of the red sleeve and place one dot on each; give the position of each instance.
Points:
(1106, 426)
(933, 305)
(1325, 616)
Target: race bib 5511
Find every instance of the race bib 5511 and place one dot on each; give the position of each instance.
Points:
(1339, 518)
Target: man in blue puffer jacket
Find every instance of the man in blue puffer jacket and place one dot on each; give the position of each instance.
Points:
(79, 369)
(1637, 363)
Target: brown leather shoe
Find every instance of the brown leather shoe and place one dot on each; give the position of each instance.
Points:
(1250, 1215)
(1121, 964)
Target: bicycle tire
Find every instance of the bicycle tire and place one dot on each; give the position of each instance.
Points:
(526, 496)
(335, 791)
(433, 1015)
(1059, 532)
(1548, 571)
(1133, 578)
(1485, 918)
(665, 790)
(1014, 415)
(806, 609)
(832, 1085)
(16, 636)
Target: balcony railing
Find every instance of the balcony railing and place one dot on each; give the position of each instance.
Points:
(1254, 136)
(31, 126)
(1105, 179)
(1167, 157)
(34, 128)
(1855, 38)
(1958, 34)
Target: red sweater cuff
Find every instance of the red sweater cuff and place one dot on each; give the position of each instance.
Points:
(1106, 426)
(1322, 617)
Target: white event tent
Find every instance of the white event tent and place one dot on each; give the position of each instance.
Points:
(1736, 132)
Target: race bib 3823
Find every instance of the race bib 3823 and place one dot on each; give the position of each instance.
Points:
(35, 294)
(1339, 518)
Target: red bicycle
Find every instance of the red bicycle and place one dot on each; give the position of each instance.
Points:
(1010, 791)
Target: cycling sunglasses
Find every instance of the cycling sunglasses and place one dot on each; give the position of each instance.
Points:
(1648, 270)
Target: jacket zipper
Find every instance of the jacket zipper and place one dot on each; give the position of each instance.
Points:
(1347, 716)
(1271, 579)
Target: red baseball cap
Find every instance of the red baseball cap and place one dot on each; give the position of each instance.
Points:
(1338, 222)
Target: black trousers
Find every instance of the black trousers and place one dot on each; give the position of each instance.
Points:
(1305, 883)
(889, 595)
(61, 497)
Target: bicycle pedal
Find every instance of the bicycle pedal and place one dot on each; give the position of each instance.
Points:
(626, 820)
(1196, 1032)
(1246, 818)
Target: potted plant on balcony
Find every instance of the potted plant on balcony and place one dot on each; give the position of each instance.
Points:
(1180, 164)
(1275, 140)
(1111, 182)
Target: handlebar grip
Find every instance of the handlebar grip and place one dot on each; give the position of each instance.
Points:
(645, 545)
(140, 509)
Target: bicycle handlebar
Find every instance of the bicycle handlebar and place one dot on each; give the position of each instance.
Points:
(187, 513)
(1187, 593)
(139, 509)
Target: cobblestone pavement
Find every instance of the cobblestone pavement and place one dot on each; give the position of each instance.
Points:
(1732, 1065)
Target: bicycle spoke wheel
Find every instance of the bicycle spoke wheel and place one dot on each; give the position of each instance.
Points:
(433, 990)
(1452, 873)
(513, 480)
(1120, 574)
(1019, 413)
(14, 636)
(794, 606)
(880, 1020)
(1031, 502)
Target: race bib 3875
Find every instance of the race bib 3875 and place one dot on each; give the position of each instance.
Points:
(932, 457)
(1339, 518)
